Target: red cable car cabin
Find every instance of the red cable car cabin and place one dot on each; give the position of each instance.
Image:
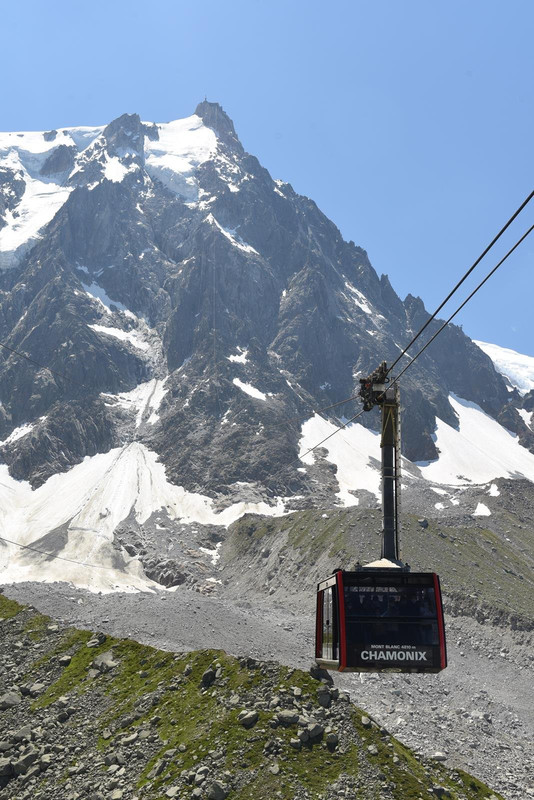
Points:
(380, 619)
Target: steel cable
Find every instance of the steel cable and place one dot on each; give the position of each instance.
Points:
(469, 271)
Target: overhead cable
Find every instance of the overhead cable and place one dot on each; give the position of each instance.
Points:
(488, 276)
(469, 271)
(35, 363)
(52, 555)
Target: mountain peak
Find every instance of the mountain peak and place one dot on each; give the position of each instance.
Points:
(214, 116)
(125, 135)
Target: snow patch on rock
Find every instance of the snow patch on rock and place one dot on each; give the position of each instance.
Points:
(250, 390)
(241, 358)
(131, 337)
(350, 450)
(231, 235)
(518, 368)
(478, 451)
(18, 433)
(145, 400)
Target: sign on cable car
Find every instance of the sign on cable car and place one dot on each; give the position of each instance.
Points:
(382, 616)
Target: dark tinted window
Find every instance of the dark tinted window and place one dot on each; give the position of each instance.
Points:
(390, 602)
(329, 624)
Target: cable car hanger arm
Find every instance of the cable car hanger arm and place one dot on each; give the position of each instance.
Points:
(374, 391)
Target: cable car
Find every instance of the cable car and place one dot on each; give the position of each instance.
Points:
(382, 616)
(380, 619)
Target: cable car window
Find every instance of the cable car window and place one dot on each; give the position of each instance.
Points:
(390, 601)
(329, 624)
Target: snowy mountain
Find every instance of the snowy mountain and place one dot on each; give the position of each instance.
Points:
(191, 315)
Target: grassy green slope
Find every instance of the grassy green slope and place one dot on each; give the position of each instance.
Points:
(171, 719)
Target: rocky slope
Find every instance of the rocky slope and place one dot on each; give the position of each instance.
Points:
(88, 715)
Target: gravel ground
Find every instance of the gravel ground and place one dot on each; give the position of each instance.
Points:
(478, 713)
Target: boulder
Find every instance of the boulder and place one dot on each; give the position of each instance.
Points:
(22, 764)
(441, 791)
(332, 740)
(287, 717)
(324, 696)
(104, 662)
(23, 733)
(6, 768)
(248, 718)
(208, 677)
(96, 640)
(216, 791)
(321, 674)
(9, 700)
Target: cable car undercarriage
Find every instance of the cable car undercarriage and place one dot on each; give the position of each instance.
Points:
(382, 616)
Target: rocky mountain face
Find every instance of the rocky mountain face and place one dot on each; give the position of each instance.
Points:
(175, 255)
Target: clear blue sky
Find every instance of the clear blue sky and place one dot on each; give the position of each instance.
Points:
(409, 122)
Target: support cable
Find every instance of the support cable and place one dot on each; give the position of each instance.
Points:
(480, 285)
(36, 363)
(469, 271)
(52, 555)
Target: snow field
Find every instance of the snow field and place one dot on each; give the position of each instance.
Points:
(350, 450)
(87, 503)
(26, 152)
(517, 367)
(33, 142)
(182, 146)
(36, 208)
(479, 451)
